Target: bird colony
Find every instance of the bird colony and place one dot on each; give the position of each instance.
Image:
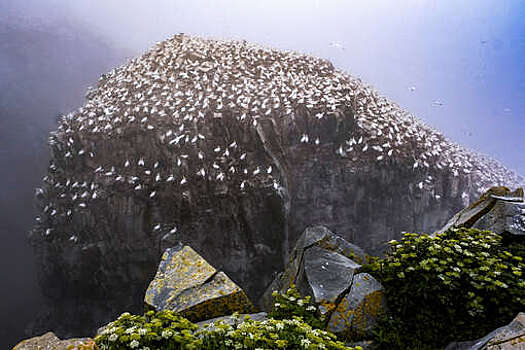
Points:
(148, 128)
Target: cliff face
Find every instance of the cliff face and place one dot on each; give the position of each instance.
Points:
(232, 149)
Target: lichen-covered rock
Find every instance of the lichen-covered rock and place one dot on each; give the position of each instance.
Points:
(498, 210)
(357, 313)
(320, 265)
(509, 337)
(187, 284)
(233, 149)
(50, 341)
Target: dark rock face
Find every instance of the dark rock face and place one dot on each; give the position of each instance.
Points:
(234, 150)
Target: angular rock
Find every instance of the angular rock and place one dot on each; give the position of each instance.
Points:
(324, 238)
(326, 273)
(357, 313)
(320, 265)
(505, 216)
(188, 284)
(498, 210)
(50, 341)
(509, 337)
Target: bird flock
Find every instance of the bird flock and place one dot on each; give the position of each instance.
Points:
(150, 127)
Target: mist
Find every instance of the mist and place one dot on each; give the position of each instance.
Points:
(458, 67)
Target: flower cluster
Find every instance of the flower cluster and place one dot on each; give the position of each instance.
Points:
(168, 331)
(292, 304)
(270, 334)
(460, 284)
(155, 330)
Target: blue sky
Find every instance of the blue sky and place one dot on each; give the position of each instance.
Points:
(469, 55)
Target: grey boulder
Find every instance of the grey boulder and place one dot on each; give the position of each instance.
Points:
(498, 210)
(509, 337)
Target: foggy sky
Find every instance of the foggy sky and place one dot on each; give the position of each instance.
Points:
(467, 55)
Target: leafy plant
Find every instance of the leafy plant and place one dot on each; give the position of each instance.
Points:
(459, 285)
(291, 304)
(155, 330)
(286, 334)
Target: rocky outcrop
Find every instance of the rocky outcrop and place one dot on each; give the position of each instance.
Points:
(509, 337)
(49, 341)
(357, 313)
(232, 149)
(187, 284)
(322, 266)
(498, 210)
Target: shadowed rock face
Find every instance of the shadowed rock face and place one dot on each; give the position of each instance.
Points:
(234, 150)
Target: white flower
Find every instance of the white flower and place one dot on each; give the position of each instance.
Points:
(113, 337)
(300, 302)
(277, 304)
(134, 344)
(166, 334)
(310, 308)
(143, 331)
(305, 343)
(130, 330)
(292, 298)
(279, 325)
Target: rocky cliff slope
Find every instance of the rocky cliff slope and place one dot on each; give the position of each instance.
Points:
(233, 149)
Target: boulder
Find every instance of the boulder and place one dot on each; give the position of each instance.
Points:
(357, 313)
(186, 283)
(509, 337)
(50, 341)
(320, 265)
(498, 210)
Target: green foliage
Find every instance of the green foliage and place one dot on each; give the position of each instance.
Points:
(459, 285)
(165, 330)
(291, 304)
(155, 330)
(290, 334)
